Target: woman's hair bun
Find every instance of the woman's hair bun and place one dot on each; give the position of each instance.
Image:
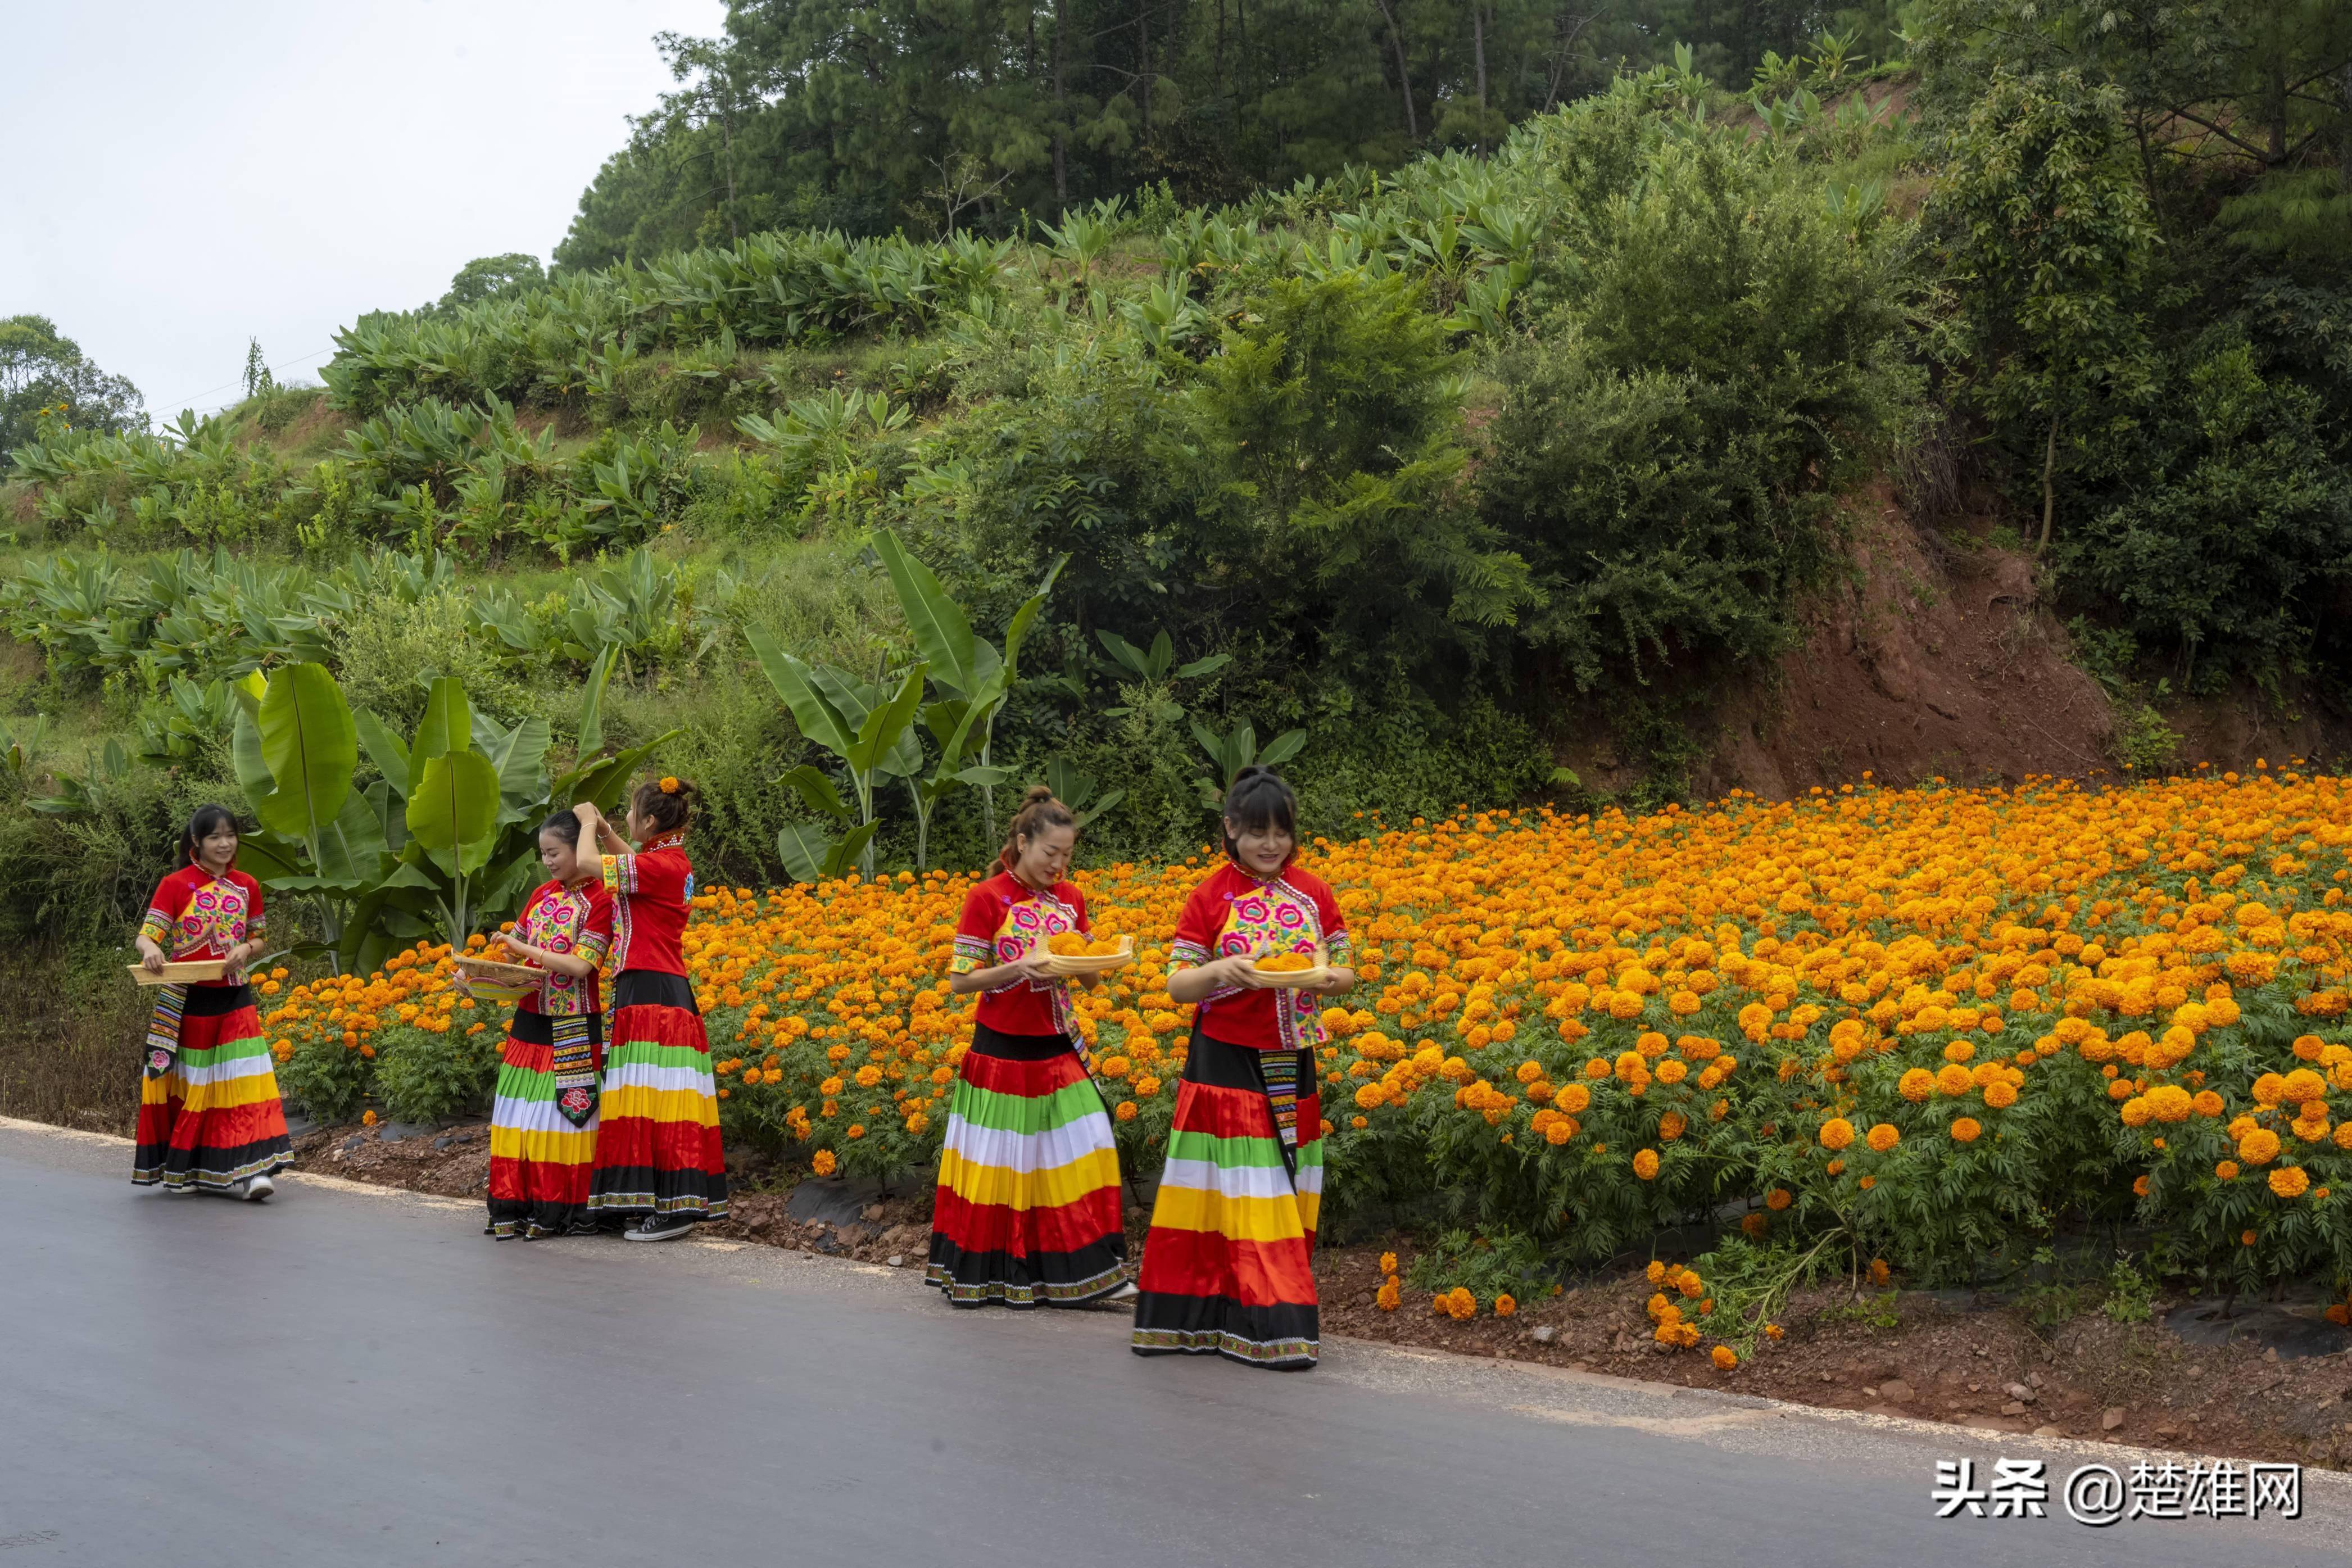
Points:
(1036, 793)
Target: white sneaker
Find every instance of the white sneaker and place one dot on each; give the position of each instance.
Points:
(1126, 1292)
(255, 1189)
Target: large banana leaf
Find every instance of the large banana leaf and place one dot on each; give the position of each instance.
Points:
(851, 697)
(454, 809)
(1025, 618)
(391, 815)
(942, 631)
(310, 748)
(591, 701)
(794, 682)
(813, 786)
(520, 755)
(602, 781)
(245, 755)
(810, 857)
(880, 732)
(351, 849)
(384, 749)
(447, 725)
(269, 858)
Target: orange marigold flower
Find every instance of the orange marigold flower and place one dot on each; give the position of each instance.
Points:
(1837, 1133)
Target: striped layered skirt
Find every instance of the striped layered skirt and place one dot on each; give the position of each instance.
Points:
(1228, 1265)
(657, 1149)
(213, 1116)
(539, 1162)
(1027, 1209)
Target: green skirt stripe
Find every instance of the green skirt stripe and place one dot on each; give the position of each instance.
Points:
(524, 1083)
(226, 1051)
(1225, 1152)
(648, 1053)
(1014, 1113)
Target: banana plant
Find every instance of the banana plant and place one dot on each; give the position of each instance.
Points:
(1230, 753)
(1076, 790)
(951, 725)
(974, 679)
(467, 872)
(443, 839)
(858, 723)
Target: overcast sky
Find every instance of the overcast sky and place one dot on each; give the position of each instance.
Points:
(182, 178)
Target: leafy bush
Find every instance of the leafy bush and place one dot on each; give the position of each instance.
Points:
(328, 1079)
(1499, 1263)
(436, 1075)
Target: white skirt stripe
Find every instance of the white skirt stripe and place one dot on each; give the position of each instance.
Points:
(535, 1116)
(665, 1081)
(1028, 1151)
(254, 1066)
(1227, 1181)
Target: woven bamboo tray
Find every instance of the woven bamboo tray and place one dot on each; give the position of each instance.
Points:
(184, 973)
(491, 980)
(1072, 964)
(1319, 974)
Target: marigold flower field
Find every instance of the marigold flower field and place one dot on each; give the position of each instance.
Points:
(1942, 1020)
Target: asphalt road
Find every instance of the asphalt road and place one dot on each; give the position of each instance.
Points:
(346, 1376)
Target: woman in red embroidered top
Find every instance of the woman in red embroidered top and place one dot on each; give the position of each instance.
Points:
(209, 1117)
(1228, 1262)
(1027, 1208)
(543, 1117)
(658, 1153)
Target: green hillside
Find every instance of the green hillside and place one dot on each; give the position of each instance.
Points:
(1435, 467)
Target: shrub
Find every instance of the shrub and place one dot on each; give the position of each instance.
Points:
(437, 1074)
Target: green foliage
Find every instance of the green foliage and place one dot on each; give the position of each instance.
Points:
(2045, 322)
(2236, 530)
(2145, 743)
(493, 277)
(49, 387)
(976, 116)
(1750, 1281)
(1668, 447)
(331, 1082)
(2131, 1295)
(1495, 1263)
(427, 1076)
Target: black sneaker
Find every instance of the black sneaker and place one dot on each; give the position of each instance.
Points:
(660, 1228)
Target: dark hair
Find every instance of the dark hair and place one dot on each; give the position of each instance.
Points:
(1039, 811)
(668, 810)
(564, 825)
(1255, 801)
(208, 820)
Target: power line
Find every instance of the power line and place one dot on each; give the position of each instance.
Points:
(239, 380)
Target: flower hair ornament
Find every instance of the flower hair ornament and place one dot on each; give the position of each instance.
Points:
(669, 786)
